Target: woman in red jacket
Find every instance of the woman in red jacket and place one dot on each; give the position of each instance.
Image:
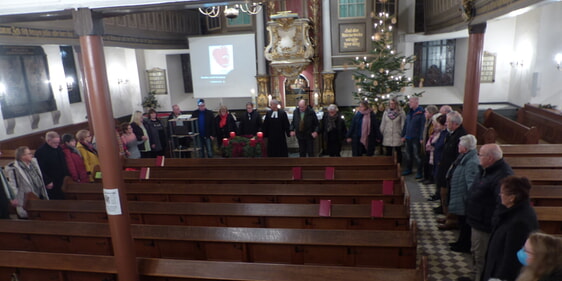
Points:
(74, 160)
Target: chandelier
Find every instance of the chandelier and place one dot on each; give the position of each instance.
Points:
(251, 8)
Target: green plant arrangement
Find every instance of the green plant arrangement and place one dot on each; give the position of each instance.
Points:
(242, 146)
(547, 106)
(150, 101)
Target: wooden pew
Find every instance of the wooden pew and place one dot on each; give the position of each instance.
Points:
(509, 130)
(75, 267)
(550, 220)
(244, 193)
(531, 150)
(548, 122)
(301, 216)
(238, 163)
(541, 176)
(263, 174)
(485, 135)
(546, 195)
(532, 162)
(366, 248)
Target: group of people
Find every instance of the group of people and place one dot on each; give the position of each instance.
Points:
(41, 175)
(479, 195)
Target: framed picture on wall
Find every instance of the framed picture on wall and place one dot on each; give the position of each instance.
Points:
(157, 81)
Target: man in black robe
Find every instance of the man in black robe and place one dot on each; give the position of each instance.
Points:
(276, 130)
(53, 165)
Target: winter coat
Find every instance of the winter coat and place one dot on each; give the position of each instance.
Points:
(250, 123)
(224, 132)
(209, 130)
(449, 155)
(53, 168)
(462, 178)
(90, 159)
(511, 229)
(483, 196)
(414, 124)
(391, 130)
(21, 184)
(310, 123)
(75, 165)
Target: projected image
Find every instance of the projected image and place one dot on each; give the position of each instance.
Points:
(221, 59)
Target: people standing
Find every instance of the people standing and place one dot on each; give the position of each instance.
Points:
(276, 130)
(129, 140)
(224, 124)
(482, 202)
(305, 127)
(364, 132)
(429, 112)
(205, 122)
(250, 121)
(24, 176)
(88, 152)
(333, 131)
(52, 162)
(513, 221)
(74, 160)
(412, 135)
(392, 124)
(156, 133)
(141, 133)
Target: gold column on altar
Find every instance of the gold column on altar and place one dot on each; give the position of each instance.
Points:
(328, 95)
(263, 91)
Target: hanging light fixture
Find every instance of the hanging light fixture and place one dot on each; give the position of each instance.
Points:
(251, 8)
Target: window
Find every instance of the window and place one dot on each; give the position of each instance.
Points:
(435, 63)
(213, 23)
(70, 73)
(351, 8)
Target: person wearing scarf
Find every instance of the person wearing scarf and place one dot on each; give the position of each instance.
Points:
(391, 127)
(74, 160)
(364, 132)
(24, 176)
(224, 124)
(88, 152)
(333, 130)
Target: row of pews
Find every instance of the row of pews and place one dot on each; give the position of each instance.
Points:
(533, 125)
(195, 220)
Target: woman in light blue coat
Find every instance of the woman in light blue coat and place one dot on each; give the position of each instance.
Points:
(461, 175)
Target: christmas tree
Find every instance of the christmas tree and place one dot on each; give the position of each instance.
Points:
(381, 75)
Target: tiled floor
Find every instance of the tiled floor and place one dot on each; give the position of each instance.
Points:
(444, 264)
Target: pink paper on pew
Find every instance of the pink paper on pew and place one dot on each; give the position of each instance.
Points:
(377, 207)
(297, 173)
(330, 173)
(160, 161)
(325, 208)
(388, 187)
(144, 173)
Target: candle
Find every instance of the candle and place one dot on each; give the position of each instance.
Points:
(260, 135)
(224, 142)
(253, 94)
(315, 99)
(232, 134)
(252, 142)
(269, 99)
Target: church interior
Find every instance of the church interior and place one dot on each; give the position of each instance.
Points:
(67, 65)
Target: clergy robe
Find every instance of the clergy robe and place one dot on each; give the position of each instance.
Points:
(276, 130)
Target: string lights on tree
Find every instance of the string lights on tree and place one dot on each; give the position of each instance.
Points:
(381, 75)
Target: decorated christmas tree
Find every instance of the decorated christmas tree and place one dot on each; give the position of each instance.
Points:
(381, 75)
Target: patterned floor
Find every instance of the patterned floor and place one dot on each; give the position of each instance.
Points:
(444, 264)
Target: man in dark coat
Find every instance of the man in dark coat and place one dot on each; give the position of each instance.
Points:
(448, 156)
(206, 122)
(52, 162)
(250, 121)
(412, 135)
(305, 127)
(483, 200)
(276, 130)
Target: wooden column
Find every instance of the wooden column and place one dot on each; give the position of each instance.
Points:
(89, 27)
(472, 83)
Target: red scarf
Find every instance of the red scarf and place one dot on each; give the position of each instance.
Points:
(222, 123)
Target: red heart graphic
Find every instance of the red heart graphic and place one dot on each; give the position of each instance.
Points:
(222, 56)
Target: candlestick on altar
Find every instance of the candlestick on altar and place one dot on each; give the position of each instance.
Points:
(315, 99)
(269, 100)
(232, 135)
(224, 142)
(260, 135)
(253, 95)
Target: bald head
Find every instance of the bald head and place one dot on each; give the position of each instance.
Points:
(302, 105)
(490, 154)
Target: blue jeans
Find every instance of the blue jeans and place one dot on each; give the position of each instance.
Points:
(206, 146)
(413, 154)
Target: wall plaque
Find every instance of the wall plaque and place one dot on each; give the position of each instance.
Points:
(157, 81)
(352, 37)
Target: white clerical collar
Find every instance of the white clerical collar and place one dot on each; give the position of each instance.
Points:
(274, 114)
